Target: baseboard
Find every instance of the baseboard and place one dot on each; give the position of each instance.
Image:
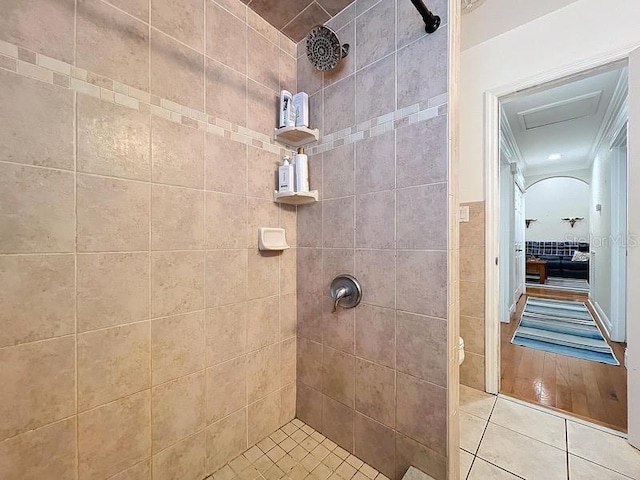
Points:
(604, 319)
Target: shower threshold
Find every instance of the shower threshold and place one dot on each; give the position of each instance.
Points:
(296, 452)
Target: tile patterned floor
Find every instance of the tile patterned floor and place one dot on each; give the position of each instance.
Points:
(503, 438)
(296, 452)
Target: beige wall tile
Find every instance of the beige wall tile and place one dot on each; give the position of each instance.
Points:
(338, 326)
(376, 220)
(310, 225)
(338, 376)
(113, 289)
(288, 403)
(262, 103)
(226, 92)
(112, 363)
(123, 222)
(338, 222)
(264, 417)
(375, 334)
(178, 410)
(263, 274)
(177, 346)
(375, 165)
(288, 361)
(114, 437)
(422, 217)
(288, 315)
(38, 385)
(185, 460)
(263, 372)
(309, 265)
(411, 453)
(260, 63)
(177, 218)
(288, 270)
(337, 422)
(226, 36)
(375, 88)
(422, 282)
(262, 322)
(39, 25)
(220, 154)
(310, 317)
(338, 171)
(471, 264)
(347, 34)
(472, 330)
(339, 114)
(226, 277)
(419, 162)
(223, 229)
(472, 232)
(36, 301)
(140, 471)
(226, 439)
(288, 72)
(49, 451)
(177, 154)
(177, 282)
(472, 301)
(112, 139)
(137, 8)
(177, 72)
(226, 389)
(374, 268)
(30, 106)
(422, 412)
(182, 19)
(309, 406)
(125, 57)
(263, 172)
(309, 79)
(375, 444)
(226, 333)
(422, 347)
(38, 211)
(375, 33)
(376, 391)
(309, 363)
(472, 371)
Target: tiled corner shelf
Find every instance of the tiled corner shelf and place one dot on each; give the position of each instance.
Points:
(296, 136)
(297, 198)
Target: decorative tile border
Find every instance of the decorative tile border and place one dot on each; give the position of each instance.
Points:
(49, 70)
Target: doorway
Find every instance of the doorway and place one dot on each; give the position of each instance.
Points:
(533, 374)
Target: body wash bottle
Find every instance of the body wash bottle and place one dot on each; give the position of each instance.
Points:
(286, 177)
(287, 110)
(301, 162)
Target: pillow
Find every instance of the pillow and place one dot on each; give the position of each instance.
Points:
(580, 256)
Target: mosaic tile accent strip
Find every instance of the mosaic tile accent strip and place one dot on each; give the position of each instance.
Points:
(296, 452)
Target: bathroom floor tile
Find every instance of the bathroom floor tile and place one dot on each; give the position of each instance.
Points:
(476, 402)
(466, 459)
(326, 460)
(580, 469)
(482, 470)
(471, 430)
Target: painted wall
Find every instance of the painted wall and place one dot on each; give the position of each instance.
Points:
(601, 230)
(374, 379)
(571, 34)
(550, 200)
(142, 334)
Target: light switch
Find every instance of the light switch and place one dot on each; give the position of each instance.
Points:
(464, 213)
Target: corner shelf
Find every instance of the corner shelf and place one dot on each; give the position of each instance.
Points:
(296, 198)
(296, 136)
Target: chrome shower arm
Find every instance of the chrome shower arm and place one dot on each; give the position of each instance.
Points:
(431, 21)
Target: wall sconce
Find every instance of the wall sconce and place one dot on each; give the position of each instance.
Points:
(529, 221)
(573, 220)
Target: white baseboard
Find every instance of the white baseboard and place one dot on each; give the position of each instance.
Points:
(604, 320)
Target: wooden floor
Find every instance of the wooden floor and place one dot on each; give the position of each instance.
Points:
(590, 390)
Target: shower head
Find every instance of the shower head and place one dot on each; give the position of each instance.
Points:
(323, 48)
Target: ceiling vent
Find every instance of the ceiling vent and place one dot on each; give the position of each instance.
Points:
(558, 112)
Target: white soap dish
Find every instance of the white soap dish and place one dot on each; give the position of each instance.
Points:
(272, 239)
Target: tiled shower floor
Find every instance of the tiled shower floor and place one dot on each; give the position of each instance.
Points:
(296, 452)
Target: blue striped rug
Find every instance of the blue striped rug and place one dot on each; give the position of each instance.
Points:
(564, 327)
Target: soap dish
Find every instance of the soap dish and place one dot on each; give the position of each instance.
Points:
(272, 239)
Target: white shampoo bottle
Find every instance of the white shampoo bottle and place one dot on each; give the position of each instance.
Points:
(286, 177)
(287, 110)
(301, 162)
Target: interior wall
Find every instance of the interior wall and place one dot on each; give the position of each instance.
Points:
(600, 231)
(374, 379)
(551, 200)
(142, 333)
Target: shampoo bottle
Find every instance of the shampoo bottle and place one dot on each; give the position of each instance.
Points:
(287, 110)
(285, 177)
(301, 162)
(301, 104)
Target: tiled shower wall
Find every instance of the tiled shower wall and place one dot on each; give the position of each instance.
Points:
(142, 334)
(472, 327)
(375, 379)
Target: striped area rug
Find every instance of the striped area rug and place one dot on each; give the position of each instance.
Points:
(557, 283)
(564, 327)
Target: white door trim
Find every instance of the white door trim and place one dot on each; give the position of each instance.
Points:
(492, 196)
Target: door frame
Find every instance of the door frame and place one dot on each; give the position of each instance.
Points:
(492, 228)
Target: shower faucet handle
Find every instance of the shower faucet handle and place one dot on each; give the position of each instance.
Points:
(345, 291)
